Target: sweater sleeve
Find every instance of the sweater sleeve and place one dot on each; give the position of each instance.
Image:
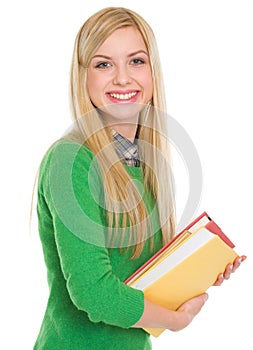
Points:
(71, 189)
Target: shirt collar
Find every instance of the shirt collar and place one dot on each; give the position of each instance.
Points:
(125, 149)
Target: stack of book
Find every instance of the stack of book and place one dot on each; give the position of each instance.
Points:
(186, 267)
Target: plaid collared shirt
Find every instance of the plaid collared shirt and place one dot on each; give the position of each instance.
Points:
(126, 150)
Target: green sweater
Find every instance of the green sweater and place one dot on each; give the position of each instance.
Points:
(89, 306)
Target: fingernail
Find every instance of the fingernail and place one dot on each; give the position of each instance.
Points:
(230, 267)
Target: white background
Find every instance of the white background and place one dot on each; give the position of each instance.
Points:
(206, 52)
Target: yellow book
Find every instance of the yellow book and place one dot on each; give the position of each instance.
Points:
(186, 267)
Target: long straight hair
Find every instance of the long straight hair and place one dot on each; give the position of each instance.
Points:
(127, 217)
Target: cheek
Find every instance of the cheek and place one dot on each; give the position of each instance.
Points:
(147, 83)
(95, 88)
(148, 88)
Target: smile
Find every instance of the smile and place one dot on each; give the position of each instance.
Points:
(130, 96)
(124, 96)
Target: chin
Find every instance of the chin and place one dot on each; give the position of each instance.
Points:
(122, 112)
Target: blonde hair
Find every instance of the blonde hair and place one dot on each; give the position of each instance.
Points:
(124, 203)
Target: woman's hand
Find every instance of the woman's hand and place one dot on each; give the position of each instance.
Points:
(229, 269)
(187, 311)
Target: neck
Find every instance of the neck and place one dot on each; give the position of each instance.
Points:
(126, 130)
(126, 127)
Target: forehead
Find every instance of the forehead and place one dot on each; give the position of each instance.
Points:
(123, 41)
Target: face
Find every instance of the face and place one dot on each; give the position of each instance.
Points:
(119, 78)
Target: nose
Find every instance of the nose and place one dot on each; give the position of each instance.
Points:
(122, 76)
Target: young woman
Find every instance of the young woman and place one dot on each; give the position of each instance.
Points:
(105, 193)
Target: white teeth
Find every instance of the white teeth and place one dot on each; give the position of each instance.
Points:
(123, 96)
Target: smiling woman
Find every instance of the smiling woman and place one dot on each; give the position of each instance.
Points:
(105, 193)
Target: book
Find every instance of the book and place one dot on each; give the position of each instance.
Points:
(186, 267)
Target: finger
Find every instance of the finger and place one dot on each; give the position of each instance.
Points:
(228, 271)
(238, 262)
(219, 280)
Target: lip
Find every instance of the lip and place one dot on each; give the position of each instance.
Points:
(132, 99)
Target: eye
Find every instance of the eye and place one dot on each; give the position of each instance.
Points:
(103, 65)
(137, 61)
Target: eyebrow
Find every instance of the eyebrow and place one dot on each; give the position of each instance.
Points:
(130, 55)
